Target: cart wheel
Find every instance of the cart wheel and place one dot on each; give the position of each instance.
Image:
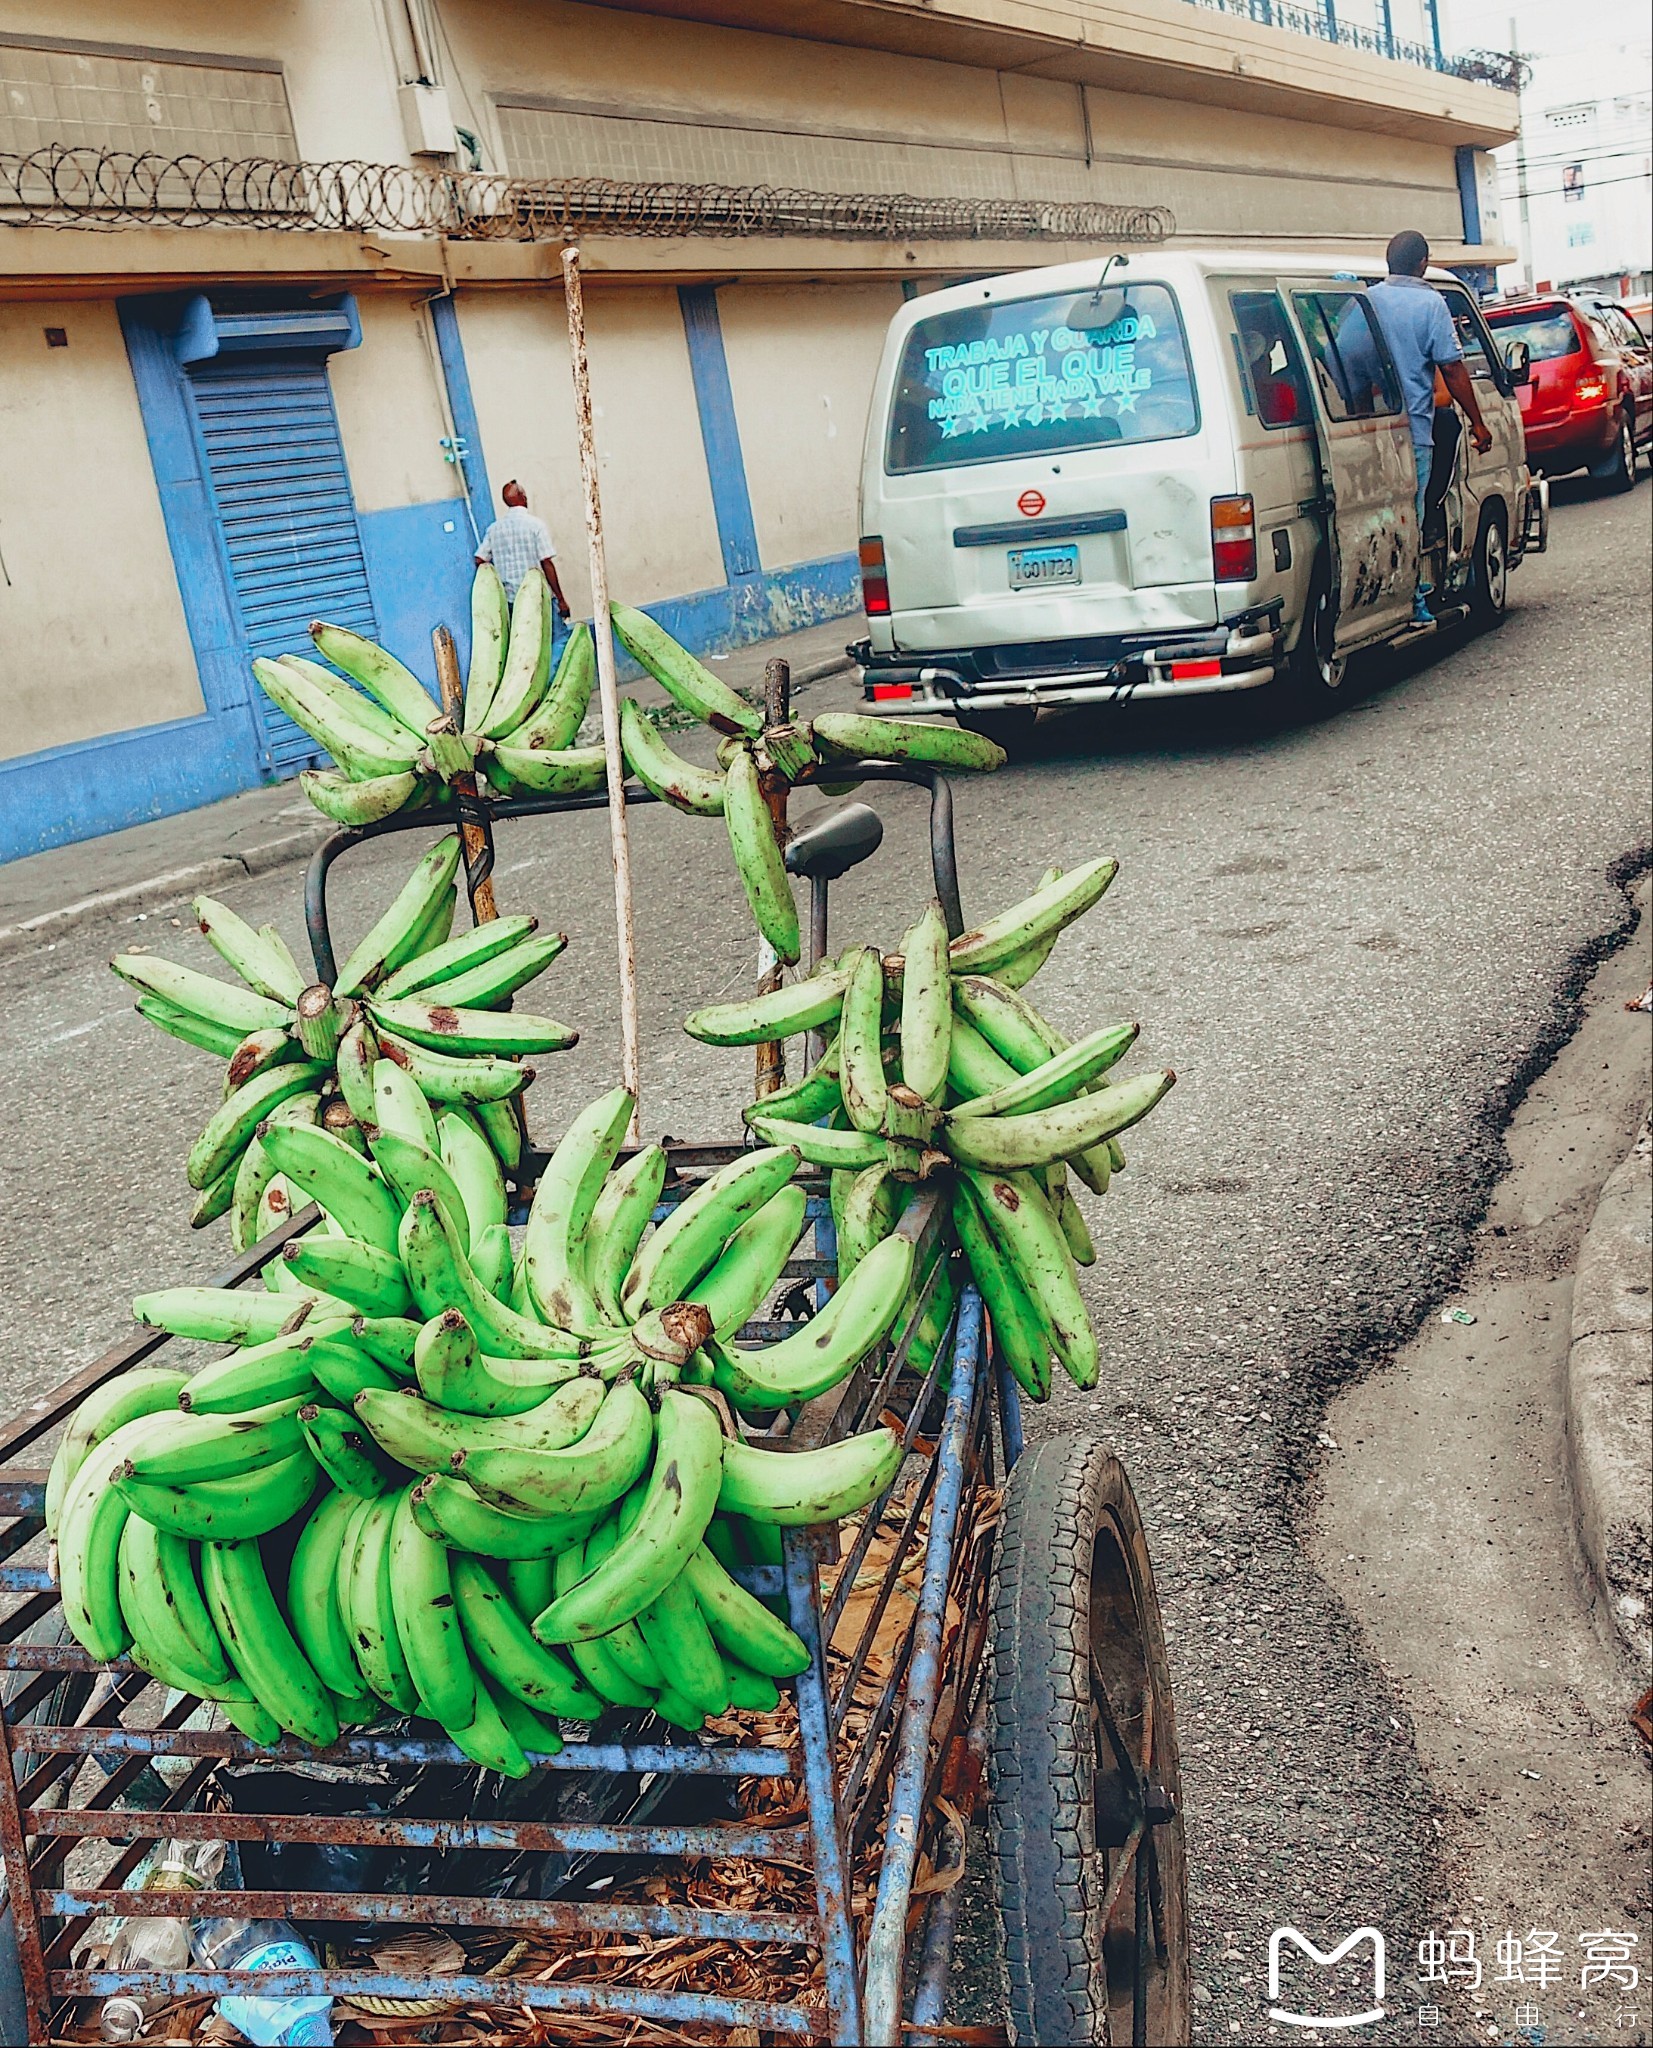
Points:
(1086, 1792)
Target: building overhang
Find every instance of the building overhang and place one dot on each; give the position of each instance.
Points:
(1167, 48)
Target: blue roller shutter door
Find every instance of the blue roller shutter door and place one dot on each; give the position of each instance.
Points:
(281, 490)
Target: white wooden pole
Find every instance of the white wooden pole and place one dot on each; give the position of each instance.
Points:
(607, 690)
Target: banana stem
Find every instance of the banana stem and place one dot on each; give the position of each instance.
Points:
(472, 839)
(607, 690)
(464, 783)
(770, 1077)
(320, 1021)
(447, 749)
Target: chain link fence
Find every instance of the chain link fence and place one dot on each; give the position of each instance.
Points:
(94, 188)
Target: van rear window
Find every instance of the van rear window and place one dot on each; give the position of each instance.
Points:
(1042, 376)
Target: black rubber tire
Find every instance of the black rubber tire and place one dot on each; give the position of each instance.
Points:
(1012, 730)
(1315, 673)
(1489, 571)
(1074, 1608)
(1616, 471)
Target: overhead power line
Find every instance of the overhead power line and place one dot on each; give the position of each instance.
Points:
(1595, 185)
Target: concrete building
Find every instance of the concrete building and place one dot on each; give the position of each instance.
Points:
(1578, 191)
(240, 389)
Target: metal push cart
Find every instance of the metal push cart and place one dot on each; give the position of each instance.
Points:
(876, 1766)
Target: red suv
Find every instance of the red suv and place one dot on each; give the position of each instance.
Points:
(1589, 403)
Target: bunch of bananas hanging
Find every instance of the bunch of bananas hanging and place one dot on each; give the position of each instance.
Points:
(756, 761)
(444, 1481)
(414, 1013)
(941, 1066)
(396, 750)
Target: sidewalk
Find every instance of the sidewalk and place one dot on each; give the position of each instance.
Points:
(49, 895)
(1609, 1410)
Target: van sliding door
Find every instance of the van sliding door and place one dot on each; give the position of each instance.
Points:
(1366, 461)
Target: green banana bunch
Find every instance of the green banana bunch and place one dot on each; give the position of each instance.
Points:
(415, 1018)
(394, 748)
(484, 1496)
(757, 763)
(941, 1067)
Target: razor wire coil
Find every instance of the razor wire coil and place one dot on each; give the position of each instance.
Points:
(83, 187)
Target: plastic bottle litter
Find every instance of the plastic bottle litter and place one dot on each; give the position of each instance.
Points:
(240, 1944)
(147, 1942)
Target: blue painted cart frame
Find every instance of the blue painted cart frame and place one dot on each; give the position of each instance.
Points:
(881, 1781)
(870, 1760)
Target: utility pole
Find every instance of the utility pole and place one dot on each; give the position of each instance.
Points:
(1521, 194)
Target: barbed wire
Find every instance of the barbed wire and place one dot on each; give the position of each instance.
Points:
(1503, 68)
(65, 187)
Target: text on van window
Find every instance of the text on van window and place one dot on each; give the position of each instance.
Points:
(1030, 377)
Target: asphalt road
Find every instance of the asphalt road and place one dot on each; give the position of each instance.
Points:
(1353, 941)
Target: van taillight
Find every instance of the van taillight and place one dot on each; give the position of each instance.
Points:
(1234, 539)
(1590, 390)
(875, 581)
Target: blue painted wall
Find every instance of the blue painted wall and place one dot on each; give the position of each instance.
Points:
(125, 778)
(456, 379)
(754, 603)
(760, 607)
(419, 564)
(737, 531)
(419, 569)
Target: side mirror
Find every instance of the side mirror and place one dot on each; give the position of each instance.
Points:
(1095, 312)
(1518, 361)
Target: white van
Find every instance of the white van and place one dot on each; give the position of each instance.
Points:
(1160, 476)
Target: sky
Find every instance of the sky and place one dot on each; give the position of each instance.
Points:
(1544, 26)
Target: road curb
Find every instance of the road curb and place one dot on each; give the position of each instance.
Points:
(174, 885)
(1609, 1417)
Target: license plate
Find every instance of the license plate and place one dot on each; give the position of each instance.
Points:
(1033, 568)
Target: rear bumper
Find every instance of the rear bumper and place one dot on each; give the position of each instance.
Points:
(1241, 655)
(1574, 442)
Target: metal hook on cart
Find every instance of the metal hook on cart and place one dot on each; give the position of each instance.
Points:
(486, 816)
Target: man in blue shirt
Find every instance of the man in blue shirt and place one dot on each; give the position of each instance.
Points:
(1421, 338)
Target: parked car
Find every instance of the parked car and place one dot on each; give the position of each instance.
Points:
(1185, 473)
(1641, 315)
(1589, 404)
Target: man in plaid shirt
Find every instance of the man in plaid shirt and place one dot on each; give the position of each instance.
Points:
(517, 542)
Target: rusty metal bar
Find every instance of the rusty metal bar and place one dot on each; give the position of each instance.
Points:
(935, 1961)
(123, 1866)
(529, 1916)
(863, 1541)
(93, 1727)
(226, 1745)
(718, 1844)
(861, 1790)
(599, 1999)
(886, 1938)
(832, 1876)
